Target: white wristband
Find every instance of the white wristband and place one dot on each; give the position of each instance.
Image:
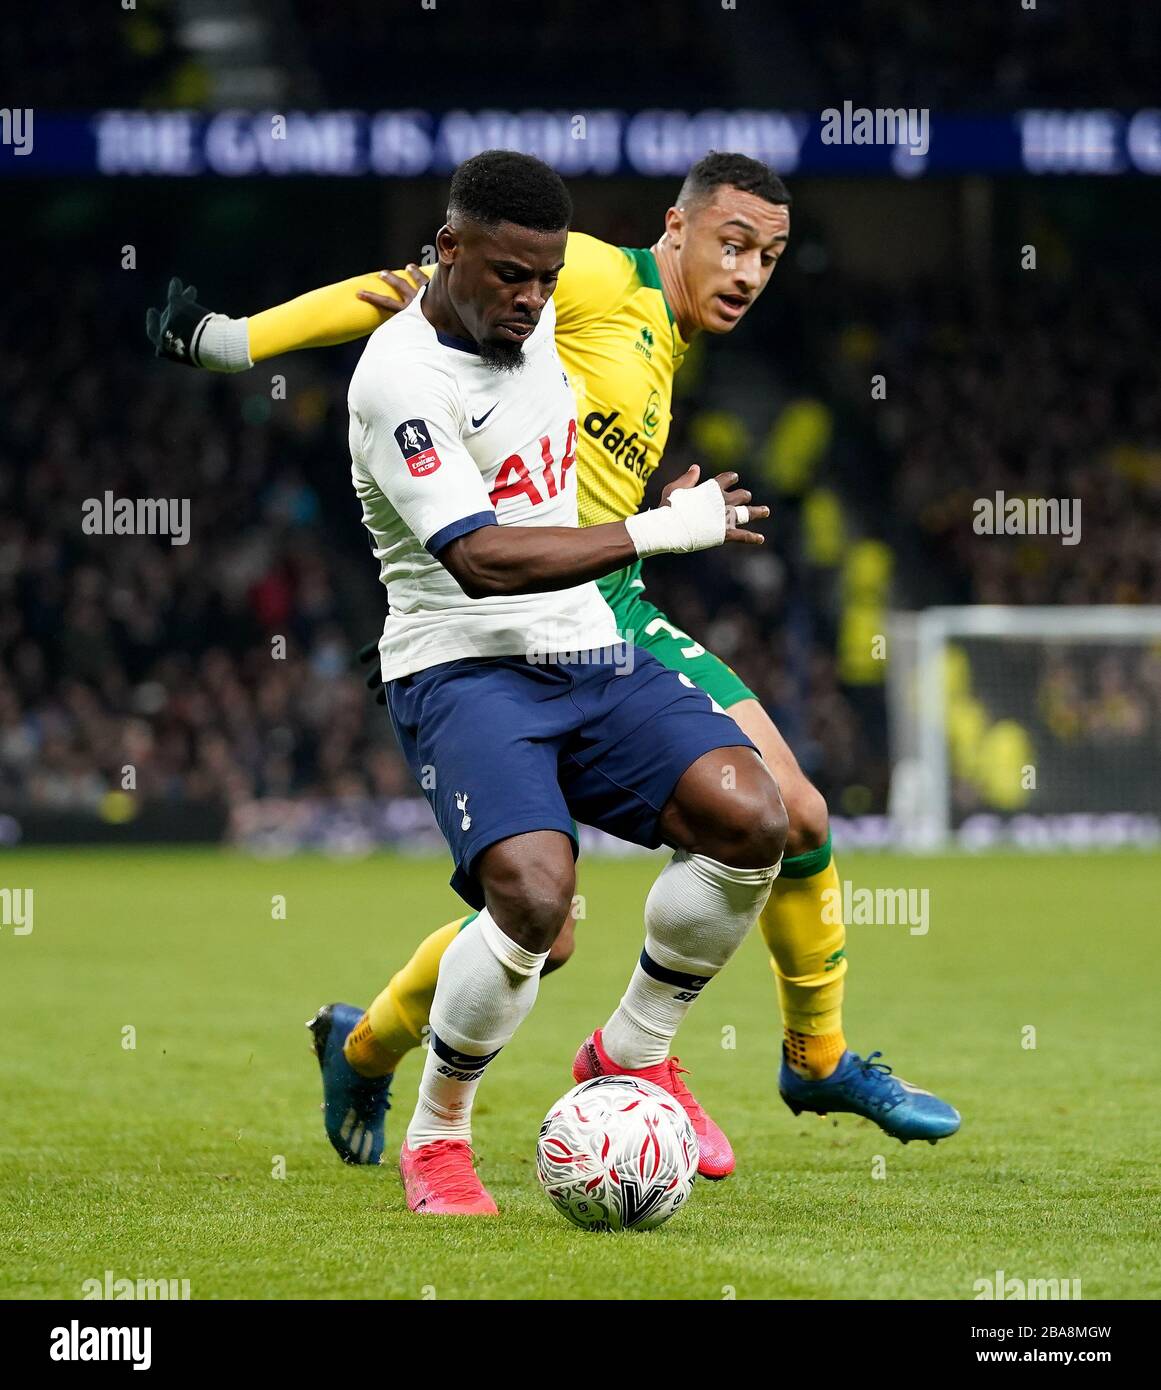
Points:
(694, 519)
(221, 344)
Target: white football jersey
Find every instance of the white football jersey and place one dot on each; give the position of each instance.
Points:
(442, 444)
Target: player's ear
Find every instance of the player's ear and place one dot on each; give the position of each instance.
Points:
(675, 224)
(447, 243)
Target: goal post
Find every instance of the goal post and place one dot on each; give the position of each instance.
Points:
(1038, 727)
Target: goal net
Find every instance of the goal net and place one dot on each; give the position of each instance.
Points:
(1038, 727)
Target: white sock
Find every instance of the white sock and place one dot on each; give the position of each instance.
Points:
(487, 984)
(696, 916)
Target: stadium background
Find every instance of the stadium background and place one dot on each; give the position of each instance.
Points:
(142, 654)
(128, 651)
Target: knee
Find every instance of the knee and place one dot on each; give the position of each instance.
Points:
(756, 827)
(530, 896)
(809, 818)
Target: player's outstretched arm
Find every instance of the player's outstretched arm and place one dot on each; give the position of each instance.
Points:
(496, 560)
(333, 314)
(185, 331)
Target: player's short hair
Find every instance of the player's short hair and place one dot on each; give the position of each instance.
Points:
(505, 186)
(717, 170)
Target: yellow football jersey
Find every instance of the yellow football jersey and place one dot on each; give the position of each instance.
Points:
(620, 347)
(616, 338)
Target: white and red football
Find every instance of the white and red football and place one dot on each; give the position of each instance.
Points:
(617, 1154)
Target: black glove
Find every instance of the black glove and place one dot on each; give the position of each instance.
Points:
(174, 330)
(374, 676)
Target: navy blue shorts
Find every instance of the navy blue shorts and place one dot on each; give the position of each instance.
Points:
(502, 747)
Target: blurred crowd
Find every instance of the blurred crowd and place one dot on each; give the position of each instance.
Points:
(62, 53)
(1055, 726)
(672, 51)
(223, 670)
(1037, 389)
(220, 669)
(1104, 696)
(980, 56)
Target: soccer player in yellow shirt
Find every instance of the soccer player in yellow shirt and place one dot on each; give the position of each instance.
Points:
(624, 319)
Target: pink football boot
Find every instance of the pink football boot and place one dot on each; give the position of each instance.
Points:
(440, 1180)
(715, 1157)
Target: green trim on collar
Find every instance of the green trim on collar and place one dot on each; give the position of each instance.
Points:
(645, 264)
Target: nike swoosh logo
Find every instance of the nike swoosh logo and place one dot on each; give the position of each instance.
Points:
(477, 423)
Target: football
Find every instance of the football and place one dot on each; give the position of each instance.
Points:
(617, 1154)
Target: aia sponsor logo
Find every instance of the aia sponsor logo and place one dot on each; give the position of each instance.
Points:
(414, 440)
(513, 479)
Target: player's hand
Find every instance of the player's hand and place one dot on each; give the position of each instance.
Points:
(173, 329)
(734, 497)
(374, 677)
(405, 291)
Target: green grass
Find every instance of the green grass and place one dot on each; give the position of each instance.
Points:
(157, 1162)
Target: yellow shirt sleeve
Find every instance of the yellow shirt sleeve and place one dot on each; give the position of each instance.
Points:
(595, 280)
(321, 318)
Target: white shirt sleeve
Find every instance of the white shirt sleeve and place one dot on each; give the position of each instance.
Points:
(407, 434)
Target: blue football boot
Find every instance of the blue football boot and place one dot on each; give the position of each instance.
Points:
(355, 1107)
(869, 1088)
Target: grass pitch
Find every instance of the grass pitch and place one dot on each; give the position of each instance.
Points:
(158, 1160)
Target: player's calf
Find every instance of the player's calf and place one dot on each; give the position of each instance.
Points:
(488, 982)
(809, 823)
(728, 818)
(804, 933)
(808, 820)
(560, 952)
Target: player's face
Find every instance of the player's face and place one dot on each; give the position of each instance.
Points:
(727, 247)
(501, 278)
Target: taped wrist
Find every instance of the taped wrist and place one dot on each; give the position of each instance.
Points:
(693, 519)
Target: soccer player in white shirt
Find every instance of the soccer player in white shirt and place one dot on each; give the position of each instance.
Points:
(516, 706)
